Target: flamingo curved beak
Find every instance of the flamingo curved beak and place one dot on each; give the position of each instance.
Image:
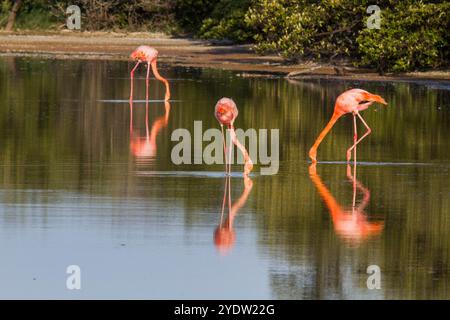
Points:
(382, 101)
(377, 98)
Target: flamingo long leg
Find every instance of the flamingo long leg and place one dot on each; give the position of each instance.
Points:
(355, 138)
(364, 135)
(354, 184)
(158, 76)
(229, 151)
(132, 78)
(147, 78)
(224, 150)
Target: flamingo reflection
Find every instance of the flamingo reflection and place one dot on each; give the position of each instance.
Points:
(144, 147)
(224, 236)
(350, 224)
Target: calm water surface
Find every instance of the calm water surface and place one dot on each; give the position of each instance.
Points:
(79, 187)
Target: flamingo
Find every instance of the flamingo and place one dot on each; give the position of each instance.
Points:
(149, 55)
(226, 112)
(351, 224)
(354, 101)
(224, 236)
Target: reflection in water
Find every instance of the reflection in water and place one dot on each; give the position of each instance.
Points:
(69, 191)
(144, 147)
(224, 235)
(350, 224)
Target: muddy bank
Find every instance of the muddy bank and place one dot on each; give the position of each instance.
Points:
(186, 52)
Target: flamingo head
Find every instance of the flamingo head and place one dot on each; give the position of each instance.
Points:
(137, 55)
(366, 97)
(225, 111)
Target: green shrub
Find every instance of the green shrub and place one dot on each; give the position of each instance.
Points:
(300, 29)
(32, 15)
(135, 15)
(413, 33)
(412, 36)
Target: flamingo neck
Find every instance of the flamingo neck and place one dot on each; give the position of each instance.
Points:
(248, 166)
(334, 118)
(160, 78)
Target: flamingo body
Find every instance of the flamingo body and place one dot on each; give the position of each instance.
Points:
(355, 100)
(144, 53)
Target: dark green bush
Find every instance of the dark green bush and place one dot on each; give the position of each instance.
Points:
(304, 29)
(412, 36)
(227, 21)
(191, 13)
(133, 15)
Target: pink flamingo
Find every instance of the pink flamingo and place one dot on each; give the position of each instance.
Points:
(226, 112)
(353, 101)
(149, 55)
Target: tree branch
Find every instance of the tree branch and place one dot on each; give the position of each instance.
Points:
(12, 15)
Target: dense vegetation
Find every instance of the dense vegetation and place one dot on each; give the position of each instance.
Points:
(412, 35)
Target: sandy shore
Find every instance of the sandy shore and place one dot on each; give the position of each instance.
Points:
(185, 52)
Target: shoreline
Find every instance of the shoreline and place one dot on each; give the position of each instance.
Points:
(189, 53)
